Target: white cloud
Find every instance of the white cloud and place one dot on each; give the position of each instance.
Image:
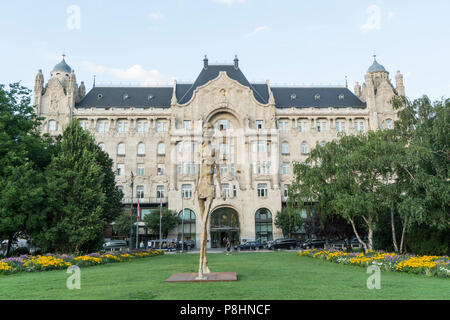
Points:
(156, 15)
(256, 30)
(229, 2)
(133, 74)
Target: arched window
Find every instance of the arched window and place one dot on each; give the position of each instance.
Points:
(52, 125)
(304, 147)
(263, 225)
(285, 148)
(187, 221)
(121, 149)
(388, 124)
(141, 149)
(102, 146)
(161, 149)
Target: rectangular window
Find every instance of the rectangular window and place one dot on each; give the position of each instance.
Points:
(286, 190)
(160, 192)
(302, 125)
(283, 125)
(340, 126)
(186, 190)
(120, 170)
(140, 192)
(161, 149)
(359, 126)
(234, 191)
(187, 125)
(261, 146)
(122, 126)
(161, 126)
(322, 126)
(233, 170)
(226, 190)
(140, 170)
(161, 169)
(223, 169)
(259, 124)
(286, 168)
(142, 126)
(102, 126)
(262, 190)
(84, 124)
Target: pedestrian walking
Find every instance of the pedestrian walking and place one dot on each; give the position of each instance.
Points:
(228, 245)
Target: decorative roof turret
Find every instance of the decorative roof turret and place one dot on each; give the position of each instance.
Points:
(376, 67)
(62, 66)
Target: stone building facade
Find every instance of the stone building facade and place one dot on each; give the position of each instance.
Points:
(261, 130)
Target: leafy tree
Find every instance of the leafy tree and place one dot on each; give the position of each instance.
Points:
(122, 223)
(24, 154)
(169, 221)
(77, 190)
(423, 172)
(289, 220)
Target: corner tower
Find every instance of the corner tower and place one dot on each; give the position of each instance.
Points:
(56, 100)
(377, 92)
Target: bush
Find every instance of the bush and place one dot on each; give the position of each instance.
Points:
(428, 241)
(20, 251)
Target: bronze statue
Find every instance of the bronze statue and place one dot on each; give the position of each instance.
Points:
(205, 192)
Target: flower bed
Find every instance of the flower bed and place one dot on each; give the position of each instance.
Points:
(54, 262)
(429, 265)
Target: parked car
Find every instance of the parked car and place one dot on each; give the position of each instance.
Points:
(115, 245)
(282, 244)
(314, 243)
(188, 244)
(249, 245)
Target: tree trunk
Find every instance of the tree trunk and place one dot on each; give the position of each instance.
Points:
(402, 241)
(357, 235)
(394, 238)
(8, 248)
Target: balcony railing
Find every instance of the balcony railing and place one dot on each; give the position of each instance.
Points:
(148, 200)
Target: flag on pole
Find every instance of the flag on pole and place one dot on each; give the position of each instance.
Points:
(139, 211)
(160, 210)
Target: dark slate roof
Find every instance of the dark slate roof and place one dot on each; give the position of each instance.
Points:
(212, 72)
(161, 96)
(158, 97)
(62, 66)
(286, 97)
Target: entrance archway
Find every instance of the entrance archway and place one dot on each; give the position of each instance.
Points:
(224, 224)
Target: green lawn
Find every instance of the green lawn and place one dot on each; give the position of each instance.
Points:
(278, 275)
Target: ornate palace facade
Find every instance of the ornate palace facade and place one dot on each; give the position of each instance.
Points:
(261, 130)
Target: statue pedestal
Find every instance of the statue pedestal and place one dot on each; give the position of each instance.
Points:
(210, 277)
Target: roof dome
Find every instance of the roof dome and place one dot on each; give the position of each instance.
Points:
(376, 66)
(62, 66)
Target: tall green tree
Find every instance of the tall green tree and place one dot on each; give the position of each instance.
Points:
(24, 154)
(78, 191)
(169, 221)
(423, 172)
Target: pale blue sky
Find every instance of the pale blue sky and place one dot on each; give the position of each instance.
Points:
(284, 41)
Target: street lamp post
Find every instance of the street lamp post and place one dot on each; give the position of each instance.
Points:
(131, 215)
(182, 220)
